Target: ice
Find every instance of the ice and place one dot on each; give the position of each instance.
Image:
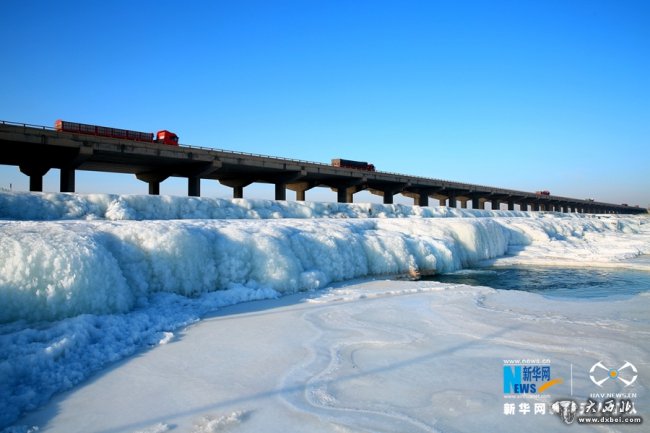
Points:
(54, 206)
(89, 280)
(381, 356)
(56, 269)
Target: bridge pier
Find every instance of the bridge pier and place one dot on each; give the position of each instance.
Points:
(478, 203)
(281, 191)
(463, 203)
(194, 186)
(154, 180)
(420, 196)
(495, 204)
(389, 193)
(345, 194)
(300, 188)
(300, 195)
(452, 200)
(67, 181)
(511, 205)
(237, 185)
(68, 169)
(345, 190)
(342, 195)
(195, 174)
(35, 173)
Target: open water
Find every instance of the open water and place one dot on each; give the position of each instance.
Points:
(556, 281)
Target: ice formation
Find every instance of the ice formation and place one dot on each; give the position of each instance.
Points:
(87, 280)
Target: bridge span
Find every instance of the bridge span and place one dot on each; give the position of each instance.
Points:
(38, 149)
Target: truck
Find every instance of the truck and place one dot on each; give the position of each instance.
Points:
(542, 192)
(164, 136)
(356, 165)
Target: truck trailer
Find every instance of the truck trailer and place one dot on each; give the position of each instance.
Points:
(357, 165)
(164, 136)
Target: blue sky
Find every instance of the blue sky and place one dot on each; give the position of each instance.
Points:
(519, 94)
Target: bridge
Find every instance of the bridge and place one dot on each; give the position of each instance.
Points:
(38, 149)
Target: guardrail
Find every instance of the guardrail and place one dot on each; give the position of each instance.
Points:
(27, 125)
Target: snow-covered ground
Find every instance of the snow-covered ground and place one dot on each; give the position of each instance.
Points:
(86, 281)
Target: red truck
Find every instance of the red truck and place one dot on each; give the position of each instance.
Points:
(542, 192)
(164, 136)
(357, 165)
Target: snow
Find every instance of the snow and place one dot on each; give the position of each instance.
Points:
(90, 280)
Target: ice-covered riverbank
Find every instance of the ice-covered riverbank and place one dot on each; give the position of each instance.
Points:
(55, 269)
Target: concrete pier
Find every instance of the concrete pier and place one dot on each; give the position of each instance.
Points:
(67, 181)
(153, 179)
(194, 186)
(281, 191)
(35, 173)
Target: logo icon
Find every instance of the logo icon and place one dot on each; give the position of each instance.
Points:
(528, 378)
(566, 410)
(627, 377)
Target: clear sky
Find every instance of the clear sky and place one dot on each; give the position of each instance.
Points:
(518, 94)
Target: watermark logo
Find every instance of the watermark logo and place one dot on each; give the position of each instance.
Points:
(628, 377)
(603, 407)
(566, 410)
(527, 376)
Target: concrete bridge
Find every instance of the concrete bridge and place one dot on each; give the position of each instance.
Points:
(38, 149)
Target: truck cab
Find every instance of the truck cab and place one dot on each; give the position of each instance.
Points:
(167, 137)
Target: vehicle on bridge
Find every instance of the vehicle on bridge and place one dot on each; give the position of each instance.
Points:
(357, 165)
(542, 192)
(164, 136)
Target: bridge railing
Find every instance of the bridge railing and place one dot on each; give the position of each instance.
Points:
(27, 125)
